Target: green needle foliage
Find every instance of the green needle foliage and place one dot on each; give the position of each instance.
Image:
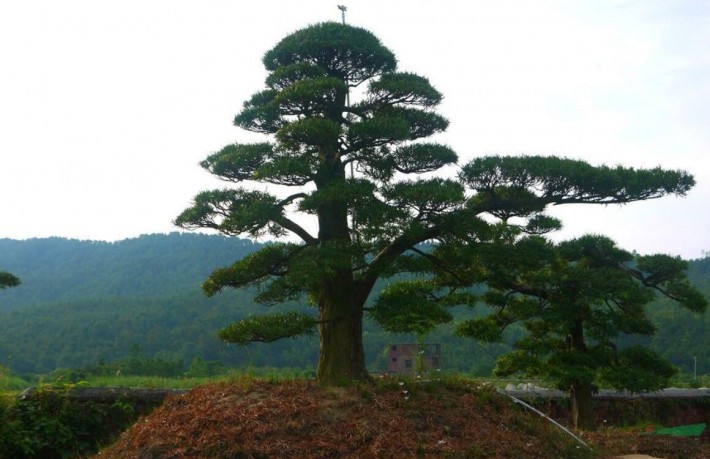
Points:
(574, 300)
(369, 224)
(268, 328)
(8, 280)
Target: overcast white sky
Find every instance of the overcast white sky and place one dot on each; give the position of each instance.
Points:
(106, 107)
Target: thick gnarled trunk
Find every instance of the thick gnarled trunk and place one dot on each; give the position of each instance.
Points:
(341, 359)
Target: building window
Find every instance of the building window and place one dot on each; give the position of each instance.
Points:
(394, 359)
(408, 363)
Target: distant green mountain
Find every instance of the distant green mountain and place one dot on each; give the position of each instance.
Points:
(57, 269)
(85, 302)
(682, 335)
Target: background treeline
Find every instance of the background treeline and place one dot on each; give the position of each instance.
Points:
(87, 304)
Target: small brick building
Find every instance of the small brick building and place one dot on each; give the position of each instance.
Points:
(401, 358)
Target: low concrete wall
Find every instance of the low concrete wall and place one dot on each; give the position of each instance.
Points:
(143, 400)
(668, 407)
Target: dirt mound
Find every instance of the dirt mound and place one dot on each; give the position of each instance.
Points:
(257, 419)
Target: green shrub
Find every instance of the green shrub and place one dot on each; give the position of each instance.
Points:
(47, 424)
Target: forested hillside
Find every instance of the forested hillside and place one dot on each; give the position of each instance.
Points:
(681, 334)
(85, 302)
(57, 269)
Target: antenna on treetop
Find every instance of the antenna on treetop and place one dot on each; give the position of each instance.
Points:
(343, 9)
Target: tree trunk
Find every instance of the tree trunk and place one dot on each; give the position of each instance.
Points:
(341, 359)
(581, 390)
(582, 406)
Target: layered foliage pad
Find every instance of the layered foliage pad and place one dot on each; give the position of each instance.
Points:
(8, 280)
(335, 100)
(575, 300)
(267, 329)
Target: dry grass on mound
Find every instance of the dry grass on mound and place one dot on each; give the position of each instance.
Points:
(257, 419)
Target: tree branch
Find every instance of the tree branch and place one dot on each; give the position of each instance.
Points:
(295, 228)
(387, 255)
(288, 200)
(438, 263)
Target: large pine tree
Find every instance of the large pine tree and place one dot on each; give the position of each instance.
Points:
(335, 102)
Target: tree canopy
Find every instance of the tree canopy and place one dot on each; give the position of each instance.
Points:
(369, 223)
(575, 300)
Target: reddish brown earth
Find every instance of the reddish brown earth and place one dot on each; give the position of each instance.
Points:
(297, 419)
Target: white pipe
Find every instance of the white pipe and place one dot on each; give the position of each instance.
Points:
(516, 400)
